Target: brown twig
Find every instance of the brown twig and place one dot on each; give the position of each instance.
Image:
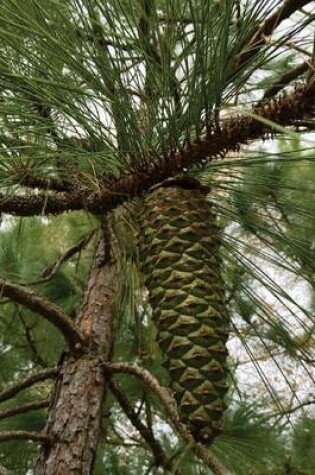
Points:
(169, 403)
(161, 458)
(51, 270)
(285, 79)
(278, 16)
(31, 406)
(25, 435)
(46, 309)
(258, 37)
(36, 358)
(40, 203)
(286, 412)
(14, 388)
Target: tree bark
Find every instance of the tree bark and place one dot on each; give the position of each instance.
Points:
(76, 407)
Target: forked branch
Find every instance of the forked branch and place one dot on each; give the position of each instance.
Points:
(168, 402)
(160, 457)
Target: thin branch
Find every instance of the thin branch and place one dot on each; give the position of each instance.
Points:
(51, 270)
(258, 38)
(285, 79)
(25, 435)
(161, 458)
(37, 358)
(282, 13)
(14, 388)
(148, 415)
(291, 46)
(31, 406)
(286, 412)
(169, 403)
(46, 309)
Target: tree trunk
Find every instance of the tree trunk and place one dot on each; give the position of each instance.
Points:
(76, 407)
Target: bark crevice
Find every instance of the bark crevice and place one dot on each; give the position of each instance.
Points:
(76, 405)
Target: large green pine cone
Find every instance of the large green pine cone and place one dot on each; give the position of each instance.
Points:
(179, 254)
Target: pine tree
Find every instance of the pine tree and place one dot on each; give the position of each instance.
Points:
(141, 216)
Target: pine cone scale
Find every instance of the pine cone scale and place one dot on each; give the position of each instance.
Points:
(179, 253)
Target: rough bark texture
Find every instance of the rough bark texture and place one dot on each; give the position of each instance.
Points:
(75, 414)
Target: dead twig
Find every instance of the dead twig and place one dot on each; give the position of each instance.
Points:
(14, 388)
(25, 435)
(31, 406)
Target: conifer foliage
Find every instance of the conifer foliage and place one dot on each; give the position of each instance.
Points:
(157, 237)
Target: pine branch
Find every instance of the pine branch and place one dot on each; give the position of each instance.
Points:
(14, 388)
(40, 203)
(31, 406)
(52, 268)
(161, 458)
(46, 309)
(25, 435)
(239, 130)
(285, 111)
(170, 405)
